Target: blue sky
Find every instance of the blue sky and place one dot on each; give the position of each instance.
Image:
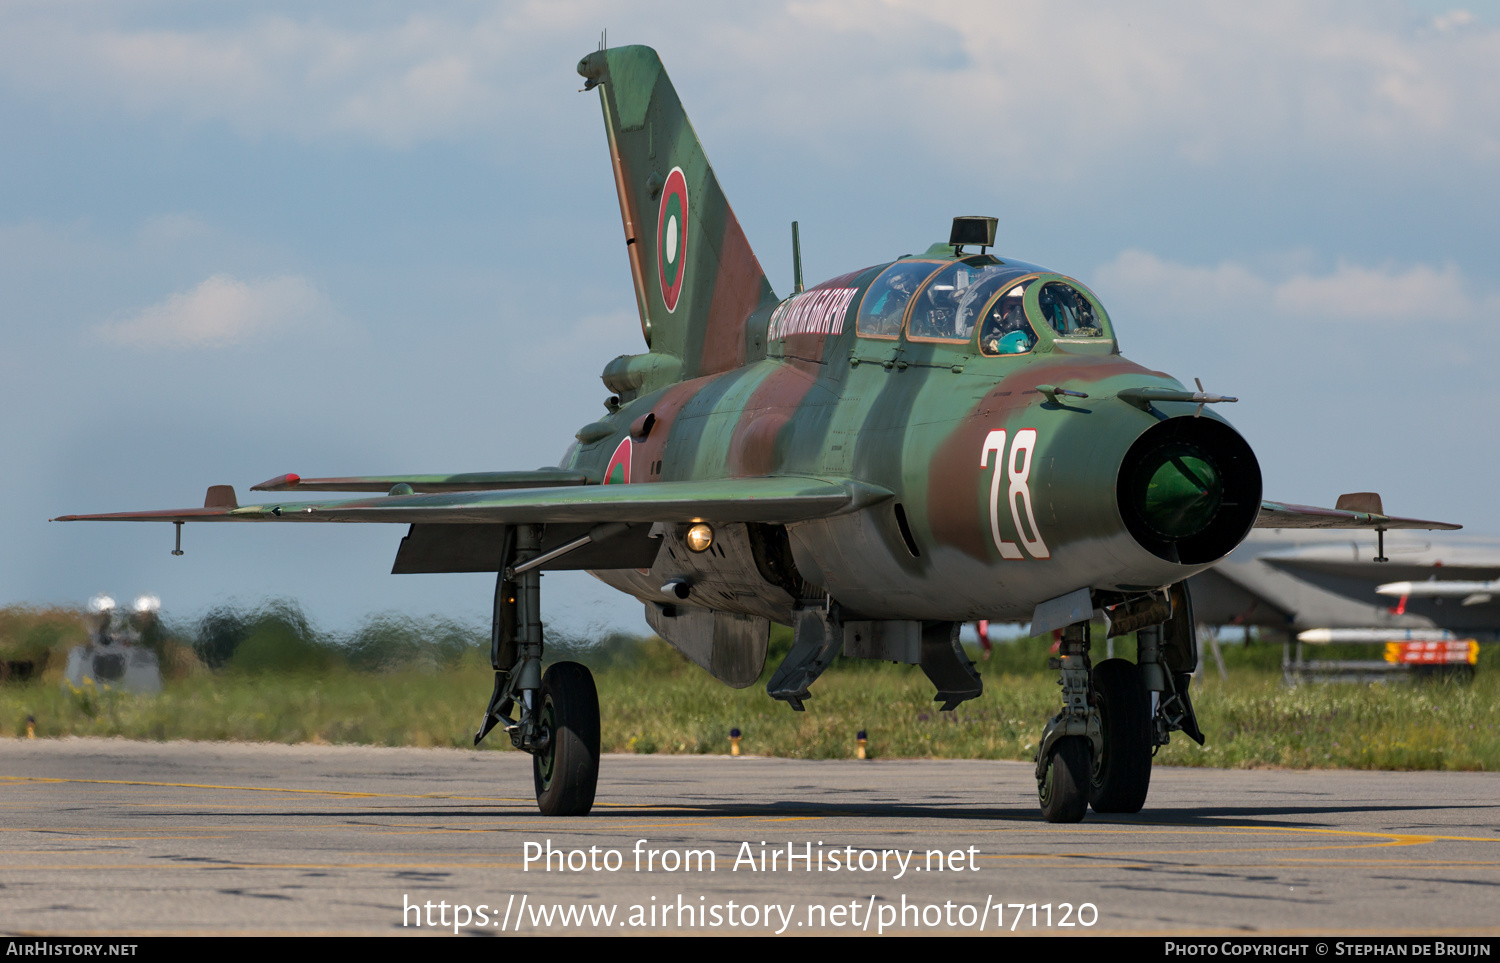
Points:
(353, 238)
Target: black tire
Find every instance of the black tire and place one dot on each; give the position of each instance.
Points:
(1121, 777)
(1063, 790)
(567, 771)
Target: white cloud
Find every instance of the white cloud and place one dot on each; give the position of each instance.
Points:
(399, 83)
(221, 311)
(1405, 294)
(1050, 87)
(1414, 293)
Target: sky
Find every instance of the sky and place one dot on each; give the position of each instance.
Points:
(359, 238)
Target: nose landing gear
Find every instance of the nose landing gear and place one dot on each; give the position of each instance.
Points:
(1063, 786)
(1072, 738)
(1121, 774)
(1097, 751)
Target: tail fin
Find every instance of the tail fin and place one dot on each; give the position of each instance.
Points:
(696, 280)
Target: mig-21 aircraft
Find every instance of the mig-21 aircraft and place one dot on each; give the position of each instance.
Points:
(945, 437)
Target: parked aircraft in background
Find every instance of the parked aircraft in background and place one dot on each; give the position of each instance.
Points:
(1295, 581)
(115, 656)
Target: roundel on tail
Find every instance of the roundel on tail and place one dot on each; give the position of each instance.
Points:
(672, 237)
(618, 470)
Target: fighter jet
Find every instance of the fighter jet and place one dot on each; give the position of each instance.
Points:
(875, 460)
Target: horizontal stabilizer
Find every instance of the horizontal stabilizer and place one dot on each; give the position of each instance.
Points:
(763, 499)
(476, 481)
(1281, 515)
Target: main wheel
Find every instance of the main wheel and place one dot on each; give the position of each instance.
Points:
(1122, 774)
(1063, 790)
(567, 770)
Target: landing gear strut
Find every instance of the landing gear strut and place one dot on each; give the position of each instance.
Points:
(1072, 738)
(559, 711)
(1097, 751)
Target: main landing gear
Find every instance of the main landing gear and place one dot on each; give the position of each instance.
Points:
(559, 711)
(1097, 750)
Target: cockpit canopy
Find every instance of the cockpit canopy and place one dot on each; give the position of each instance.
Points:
(1010, 307)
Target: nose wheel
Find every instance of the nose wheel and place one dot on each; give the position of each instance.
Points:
(1063, 787)
(1121, 774)
(1072, 739)
(566, 766)
(1097, 750)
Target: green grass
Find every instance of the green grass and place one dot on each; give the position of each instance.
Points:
(266, 675)
(652, 701)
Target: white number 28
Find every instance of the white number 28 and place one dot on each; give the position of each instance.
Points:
(1016, 468)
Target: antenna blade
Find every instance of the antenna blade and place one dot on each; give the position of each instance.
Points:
(796, 260)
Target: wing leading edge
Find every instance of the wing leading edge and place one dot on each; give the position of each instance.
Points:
(764, 499)
(478, 481)
(1281, 515)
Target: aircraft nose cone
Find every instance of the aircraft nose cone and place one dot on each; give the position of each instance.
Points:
(1183, 492)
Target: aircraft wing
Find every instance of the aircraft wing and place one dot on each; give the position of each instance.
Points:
(1281, 515)
(762, 499)
(478, 481)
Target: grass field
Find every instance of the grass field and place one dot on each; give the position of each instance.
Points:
(266, 676)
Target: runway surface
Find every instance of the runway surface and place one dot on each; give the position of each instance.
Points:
(115, 837)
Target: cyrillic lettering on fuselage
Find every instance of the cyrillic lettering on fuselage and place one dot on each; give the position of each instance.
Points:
(819, 311)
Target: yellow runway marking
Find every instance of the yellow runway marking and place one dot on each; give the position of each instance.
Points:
(116, 839)
(314, 792)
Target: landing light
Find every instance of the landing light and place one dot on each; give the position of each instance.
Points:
(700, 537)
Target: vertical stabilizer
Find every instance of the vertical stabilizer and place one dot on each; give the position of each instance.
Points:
(696, 279)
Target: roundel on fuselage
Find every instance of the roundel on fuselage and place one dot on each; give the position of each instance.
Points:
(672, 238)
(617, 472)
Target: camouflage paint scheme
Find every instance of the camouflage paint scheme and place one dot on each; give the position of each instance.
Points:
(733, 396)
(762, 416)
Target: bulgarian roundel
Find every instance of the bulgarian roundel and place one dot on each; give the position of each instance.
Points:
(618, 470)
(671, 237)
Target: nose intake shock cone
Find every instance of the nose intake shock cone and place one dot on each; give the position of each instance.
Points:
(1189, 489)
(1183, 491)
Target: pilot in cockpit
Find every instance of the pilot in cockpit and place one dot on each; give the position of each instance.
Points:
(1006, 330)
(883, 317)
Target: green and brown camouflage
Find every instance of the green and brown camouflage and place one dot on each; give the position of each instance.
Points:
(940, 438)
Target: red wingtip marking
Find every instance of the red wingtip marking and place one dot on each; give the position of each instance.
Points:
(293, 479)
